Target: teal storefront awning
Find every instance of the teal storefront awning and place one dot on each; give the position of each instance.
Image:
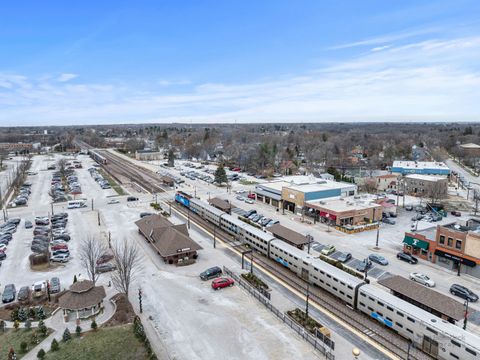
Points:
(419, 244)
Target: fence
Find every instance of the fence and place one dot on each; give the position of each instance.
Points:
(321, 343)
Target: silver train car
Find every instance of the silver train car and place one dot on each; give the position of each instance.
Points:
(432, 334)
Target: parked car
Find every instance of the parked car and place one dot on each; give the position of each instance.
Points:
(60, 258)
(9, 293)
(344, 257)
(104, 268)
(61, 251)
(55, 285)
(113, 201)
(251, 196)
(211, 273)
(364, 265)
(28, 224)
(422, 279)
(249, 201)
(59, 247)
(456, 213)
(221, 283)
(407, 257)
(132, 198)
(388, 221)
(23, 293)
(327, 250)
(417, 217)
(3, 256)
(144, 214)
(379, 259)
(273, 222)
(463, 292)
(104, 258)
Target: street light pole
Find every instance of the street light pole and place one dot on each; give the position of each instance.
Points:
(307, 299)
(466, 314)
(214, 237)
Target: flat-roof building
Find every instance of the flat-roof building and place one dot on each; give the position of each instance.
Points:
(427, 185)
(420, 167)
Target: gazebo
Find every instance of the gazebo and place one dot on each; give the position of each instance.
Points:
(82, 299)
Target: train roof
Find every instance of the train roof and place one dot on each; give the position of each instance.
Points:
(257, 232)
(434, 322)
(210, 208)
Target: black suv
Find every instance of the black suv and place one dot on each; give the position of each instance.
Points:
(407, 257)
(463, 292)
(211, 273)
(132, 198)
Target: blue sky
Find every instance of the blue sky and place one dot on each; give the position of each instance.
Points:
(247, 61)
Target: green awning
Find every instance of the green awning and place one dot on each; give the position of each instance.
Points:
(419, 244)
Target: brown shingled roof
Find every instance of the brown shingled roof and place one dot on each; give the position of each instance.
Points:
(81, 286)
(430, 298)
(283, 232)
(173, 240)
(77, 301)
(148, 223)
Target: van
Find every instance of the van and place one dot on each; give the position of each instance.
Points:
(213, 272)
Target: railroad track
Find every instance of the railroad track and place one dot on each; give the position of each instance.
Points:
(381, 335)
(395, 344)
(124, 171)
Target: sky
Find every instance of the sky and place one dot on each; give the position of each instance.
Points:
(107, 62)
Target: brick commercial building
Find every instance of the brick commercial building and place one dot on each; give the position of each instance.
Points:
(455, 246)
(426, 186)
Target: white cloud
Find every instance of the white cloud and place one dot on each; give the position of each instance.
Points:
(434, 80)
(66, 77)
(164, 82)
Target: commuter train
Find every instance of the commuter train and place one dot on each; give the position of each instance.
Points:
(432, 334)
(97, 157)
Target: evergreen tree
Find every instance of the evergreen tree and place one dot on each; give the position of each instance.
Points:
(220, 175)
(32, 313)
(54, 346)
(66, 335)
(78, 331)
(171, 158)
(22, 314)
(41, 313)
(94, 325)
(74, 278)
(42, 328)
(41, 354)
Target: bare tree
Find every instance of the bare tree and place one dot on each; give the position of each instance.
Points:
(126, 258)
(476, 201)
(436, 191)
(90, 252)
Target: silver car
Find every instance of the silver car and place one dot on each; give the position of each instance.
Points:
(422, 279)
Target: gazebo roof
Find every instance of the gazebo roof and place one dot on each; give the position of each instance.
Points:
(82, 300)
(81, 286)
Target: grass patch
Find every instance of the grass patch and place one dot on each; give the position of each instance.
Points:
(247, 182)
(12, 338)
(104, 344)
(112, 182)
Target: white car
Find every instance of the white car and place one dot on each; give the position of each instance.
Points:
(58, 242)
(113, 201)
(249, 201)
(60, 258)
(422, 279)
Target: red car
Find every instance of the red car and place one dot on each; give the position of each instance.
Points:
(251, 196)
(221, 283)
(104, 258)
(456, 213)
(236, 169)
(59, 247)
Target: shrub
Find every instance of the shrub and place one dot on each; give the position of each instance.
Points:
(28, 324)
(54, 346)
(34, 338)
(78, 331)
(22, 314)
(41, 354)
(23, 347)
(16, 324)
(66, 335)
(41, 313)
(94, 325)
(32, 313)
(42, 328)
(14, 315)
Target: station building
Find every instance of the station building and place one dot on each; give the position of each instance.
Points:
(292, 195)
(420, 167)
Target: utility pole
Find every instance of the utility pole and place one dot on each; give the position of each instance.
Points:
(92, 204)
(188, 218)
(214, 237)
(109, 239)
(140, 299)
(306, 303)
(251, 265)
(466, 314)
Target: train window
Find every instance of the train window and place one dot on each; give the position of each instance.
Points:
(399, 325)
(362, 304)
(322, 281)
(454, 356)
(432, 331)
(341, 292)
(334, 288)
(329, 285)
(336, 280)
(455, 343)
(410, 331)
(315, 277)
(328, 276)
(380, 303)
(372, 299)
(410, 319)
(362, 294)
(295, 258)
(348, 296)
(305, 263)
(379, 313)
(389, 319)
(471, 351)
(400, 314)
(321, 272)
(341, 282)
(315, 268)
(369, 308)
(351, 288)
(389, 308)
